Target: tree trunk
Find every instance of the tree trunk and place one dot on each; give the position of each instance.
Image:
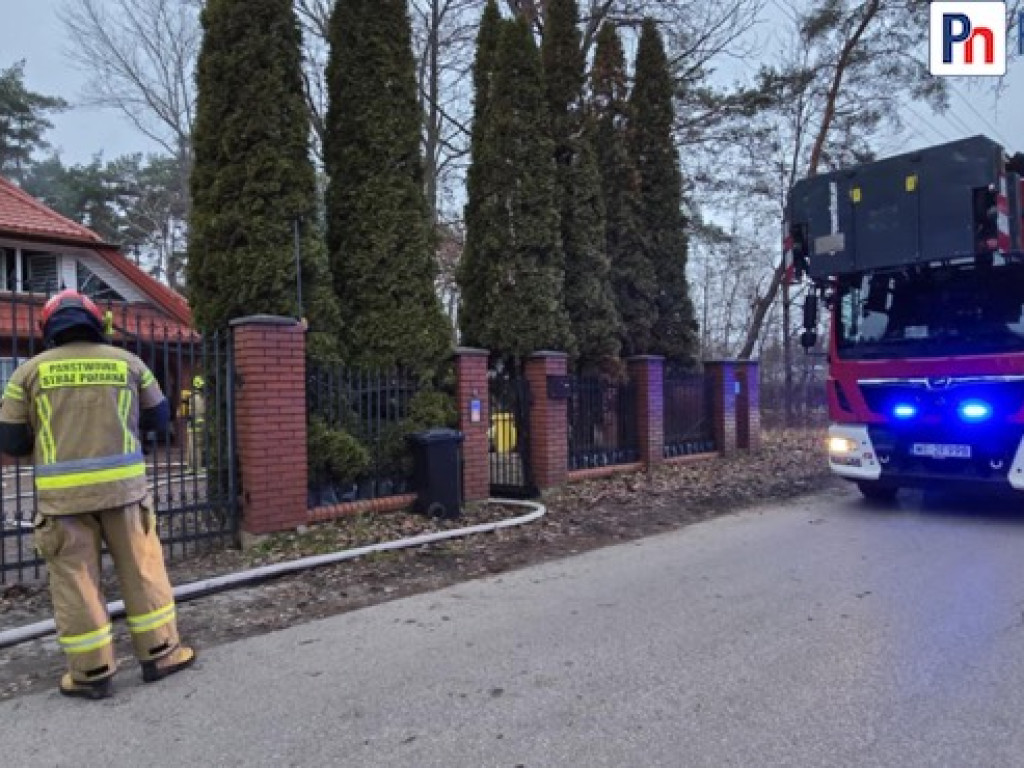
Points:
(787, 357)
(764, 303)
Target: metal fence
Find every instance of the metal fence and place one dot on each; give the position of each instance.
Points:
(358, 427)
(602, 423)
(508, 434)
(195, 496)
(689, 414)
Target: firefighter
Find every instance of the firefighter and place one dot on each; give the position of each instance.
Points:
(193, 407)
(78, 409)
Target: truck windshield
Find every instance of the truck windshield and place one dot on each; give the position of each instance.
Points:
(926, 311)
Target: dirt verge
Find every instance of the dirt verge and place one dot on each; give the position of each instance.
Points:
(581, 517)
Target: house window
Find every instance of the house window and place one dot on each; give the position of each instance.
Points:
(6, 269)
(95, 287)
(41, 273)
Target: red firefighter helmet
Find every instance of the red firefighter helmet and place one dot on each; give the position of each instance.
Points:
(70, 309)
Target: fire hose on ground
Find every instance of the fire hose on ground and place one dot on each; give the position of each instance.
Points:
(197, 589)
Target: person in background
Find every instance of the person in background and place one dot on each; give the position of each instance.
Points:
(193, 408)
(78, 409)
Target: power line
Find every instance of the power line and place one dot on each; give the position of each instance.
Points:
(980, 115)
(958, 123)
(925, 123)
(788, 11)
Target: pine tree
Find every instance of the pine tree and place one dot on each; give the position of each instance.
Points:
(589, 301)
(632, 274)
(512, 276)
(253, 178)
(378, 228)
(663, 224)
(24, 121)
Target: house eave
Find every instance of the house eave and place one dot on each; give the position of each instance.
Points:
(45, 239)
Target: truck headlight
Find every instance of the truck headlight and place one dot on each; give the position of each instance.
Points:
(841, 446)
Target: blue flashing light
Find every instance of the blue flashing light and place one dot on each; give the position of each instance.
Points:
(904, 411)
(975, 410)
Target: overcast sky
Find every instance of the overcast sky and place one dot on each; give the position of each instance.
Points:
(30, 30)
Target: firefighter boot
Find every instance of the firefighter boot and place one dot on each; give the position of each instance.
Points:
(94, 690)
(178, 659)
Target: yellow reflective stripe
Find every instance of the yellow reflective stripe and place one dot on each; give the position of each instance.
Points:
(148, 379)
(90, 641)
(45, 411)
(147, 622)
(94, 477)
(124, 406)
(14, 392)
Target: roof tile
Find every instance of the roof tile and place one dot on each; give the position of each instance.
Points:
(20, 213)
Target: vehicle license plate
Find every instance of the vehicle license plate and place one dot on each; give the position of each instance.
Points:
(941, 450)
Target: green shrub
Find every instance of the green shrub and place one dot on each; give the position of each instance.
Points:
(430, 408)
(334, 453)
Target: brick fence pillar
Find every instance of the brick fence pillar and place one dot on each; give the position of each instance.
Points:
(549, 421)
(648, 375)
(270, 419)
(723, 378)
(748, 405)
(474, 419)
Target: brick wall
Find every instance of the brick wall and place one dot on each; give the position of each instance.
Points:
(270, 411)
(648, 375)
(271, 420)
(748, 406)
(471, 390)
(549, 421)
(723, 376)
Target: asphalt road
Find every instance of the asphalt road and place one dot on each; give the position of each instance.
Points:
(823, 632)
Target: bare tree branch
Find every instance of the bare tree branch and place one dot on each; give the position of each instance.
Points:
(141, 56)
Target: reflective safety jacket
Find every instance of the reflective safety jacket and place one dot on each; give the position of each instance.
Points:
(82, 401)
(193, 409)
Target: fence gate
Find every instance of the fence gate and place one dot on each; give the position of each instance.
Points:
(195, 495)
(509, 436)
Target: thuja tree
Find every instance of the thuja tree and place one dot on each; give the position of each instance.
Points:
(253, 182)
(378, 229)
(632, 274)
(476, 274)
(512, 277)
(663, 224)
(589, 302)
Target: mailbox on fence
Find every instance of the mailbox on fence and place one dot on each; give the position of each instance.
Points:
(437, 472)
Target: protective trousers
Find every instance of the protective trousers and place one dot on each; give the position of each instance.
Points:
(195, 458)
(70, 545)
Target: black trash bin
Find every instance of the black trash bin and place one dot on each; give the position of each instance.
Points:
(437, 472)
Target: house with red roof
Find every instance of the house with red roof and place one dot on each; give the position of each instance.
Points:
(42, 252)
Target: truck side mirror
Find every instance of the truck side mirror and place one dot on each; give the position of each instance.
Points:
(798, 250)
(811, 312)
(809, 338)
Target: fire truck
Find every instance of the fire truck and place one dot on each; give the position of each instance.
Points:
(919, 259)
